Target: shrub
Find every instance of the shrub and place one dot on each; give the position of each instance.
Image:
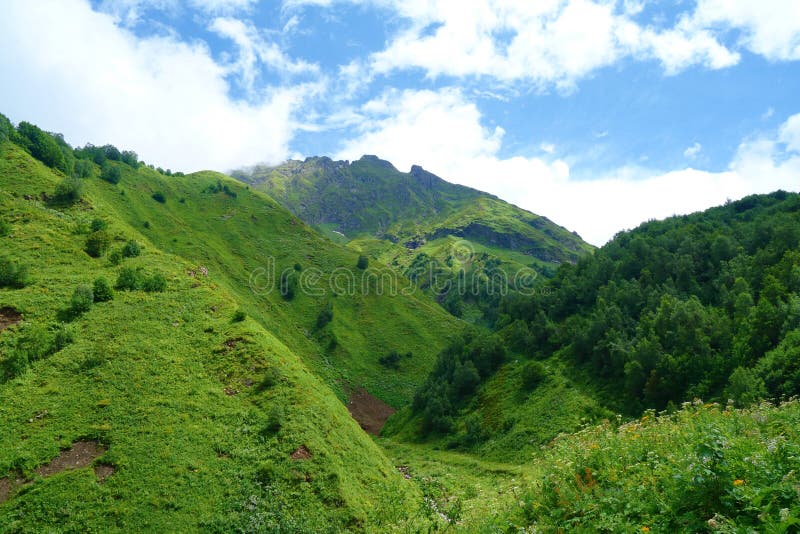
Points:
(115, 257)
(98, 224)
(158, 196)
(392, 360)
(82, 169)
(64, 336)
(128, 279)
(363, 262)
(102, 290)
(239, 316)
(325, 316)
(533, 374)
(5, 228)
(155, 283)
(131, 249)
(111, 174)
(288, 285)
(81, 301)
(12, 274)
(97, 243)
(68, 191)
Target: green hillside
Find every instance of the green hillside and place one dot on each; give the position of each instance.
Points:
(180, 353)
(198, 388)
(426, 228)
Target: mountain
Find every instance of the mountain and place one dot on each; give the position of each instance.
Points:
(417, 222)
(182, 353)
(211, 391)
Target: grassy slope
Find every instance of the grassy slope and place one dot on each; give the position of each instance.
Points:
(369, 198)
(147, 371)
(235, 236)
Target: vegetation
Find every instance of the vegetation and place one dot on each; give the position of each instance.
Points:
(503, 429)
(97, 243)
(68, 191)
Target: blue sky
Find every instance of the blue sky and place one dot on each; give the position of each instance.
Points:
(599, 114)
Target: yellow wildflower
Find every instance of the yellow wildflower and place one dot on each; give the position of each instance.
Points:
(738, 482)
(645, 529)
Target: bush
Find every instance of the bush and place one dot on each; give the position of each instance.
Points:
(81, 301)
(131, 249)
(115, 257)
(111, 174)
(97, 243)
(12, 274)
(288, 286)
(158, 196)
(128, 279)
(98, 224)
(63, 337)
(5, 228)
(363, 262)
(239, 316)
(68, 191)
(392, 360)
(155, 283)
(533, 374)
(325, 316)
(82, 169)
(102, 290)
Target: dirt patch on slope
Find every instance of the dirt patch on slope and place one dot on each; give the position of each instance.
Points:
(370, 412)
(82, 454)
(302, 453)
(9, 317)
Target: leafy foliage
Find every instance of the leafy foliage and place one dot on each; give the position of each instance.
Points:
(81, 301)
(102, 291)
(42, 146)
(68, 191)
(111, 173)
(97, 243)
(131, 249)
(13, 274)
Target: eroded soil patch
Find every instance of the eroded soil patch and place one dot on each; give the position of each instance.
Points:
(370, 412)
(302, 453)
(82, 454)
(9, 317)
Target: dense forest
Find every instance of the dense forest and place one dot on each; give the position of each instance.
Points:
(699, 306)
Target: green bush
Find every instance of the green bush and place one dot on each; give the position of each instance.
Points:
(239, 316)
(131, 249)
(128, 279)
(111, 174)
(68, 191)
(63, 336)
(5, 228)
(13, 274)
(158, 196)
(102, 290)
(392, 360)
(98, 224)
(82, 299)
(115, 257)
(288, 285)
(155, 283)
(82, 169)
(97, 243)
(363, 262)
(533, 374)
(325, 316)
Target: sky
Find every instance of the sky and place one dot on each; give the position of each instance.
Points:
(599, 114)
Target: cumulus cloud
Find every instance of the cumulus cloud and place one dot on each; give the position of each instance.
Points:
(76, 71)
(443, 132)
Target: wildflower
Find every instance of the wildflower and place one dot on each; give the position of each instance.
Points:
(784, 514)
(645, 529)
(738, 482)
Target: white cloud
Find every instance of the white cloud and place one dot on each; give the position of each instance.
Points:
(74, 70)
(223, 7)
(692, 151)
(770, 28)
(254, 51)
(442, 131)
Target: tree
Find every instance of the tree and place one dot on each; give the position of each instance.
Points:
(131, 249)
(42, 146)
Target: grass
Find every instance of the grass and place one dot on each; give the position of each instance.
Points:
(200, 415)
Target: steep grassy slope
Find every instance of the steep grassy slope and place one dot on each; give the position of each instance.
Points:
(421, 224)
(199, 415)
